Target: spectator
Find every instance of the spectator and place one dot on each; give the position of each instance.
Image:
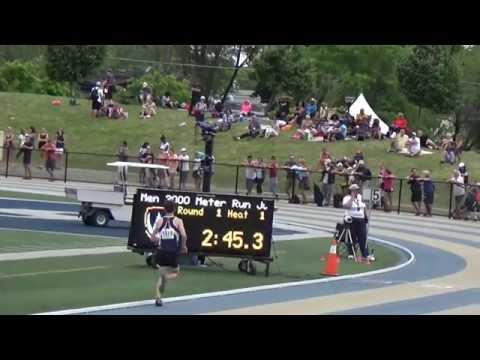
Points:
(21, 138)
(200, 109)
(458, 188)
(463, 172)
(150, 173)
(324, 155)
(428, 193)
(290, 174)
(364, 175)
(471, 203)
(42, 138)
(387, 189)
(60, 144)
(246, 108)
(122, 154)
(164, 144)
(27, 149)
(197, 170)
(400, 122)
(116, 111)
(145, 93)
(302, 172)
(299, 114)
(361, 118)
(328, 181)
(376, 132)
(50, 150)
(196, 92)
(166, 101)
(358, 156)
(163, 174)
(250, 173)
(32, 133)
(273, 176)
(311, 108)
(260, 175)
(449, 154)
(184, 168)
(109, 87)
(173, 164)
(254, 129)
(96, 96)
(149, 109)
(425, 142)
(142, 157)
(284, 109)
(416, 189)
(398, 144)
(323, 112)
(413, 146)
(341, 132)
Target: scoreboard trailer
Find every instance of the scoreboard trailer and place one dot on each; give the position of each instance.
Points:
(217, 225)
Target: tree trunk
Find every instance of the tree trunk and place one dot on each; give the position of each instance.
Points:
(419, 118)
(234, 75)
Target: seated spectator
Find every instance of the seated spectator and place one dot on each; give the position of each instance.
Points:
(398, 144)
(413, 145)
(361, 118)
(449, 154)
(299, 115)
(254, 129)
(218, 108)
(116, 111)
(425, 142)
(149, 109)
(311, 108)
(246, 108)
(166, 101)
(283, 110)
(400, 122)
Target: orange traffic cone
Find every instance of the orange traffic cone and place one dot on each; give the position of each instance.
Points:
(331, 268)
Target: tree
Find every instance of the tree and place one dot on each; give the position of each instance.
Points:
(72, 63)
(429, 78)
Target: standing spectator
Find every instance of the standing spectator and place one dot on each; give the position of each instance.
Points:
(42, 138)
(311, 108)
(27, 149)
(250, 173)
(323, 112)
(458, 188)
(32, 133)
(413, 146)
(60, 144)
(50, 155)
(290, 175)
(96, 96)
(145, 93)
(399, 123)
(324, 155)
(173, 164)
(200, 109)
(196, 92)
(471, 203)
(302, 172)
(328, 182)
(109, 87)
(122, 154)
(184, 168)
(197, 170)
(260, 175)
(416, 188)
(8, 144)
(428, 193)
(21, 138)
(163, 174)
(164, 144)
(463, 172)
(387, 189)
(376, 131)
(364, 175)
(273, 176)
(142, 157)
(150, 173)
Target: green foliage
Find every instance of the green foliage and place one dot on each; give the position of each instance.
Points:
(429, 78)
(179, 90)
(72, 63)
(28, 77)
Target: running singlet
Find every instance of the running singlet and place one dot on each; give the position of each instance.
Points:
(169, 236)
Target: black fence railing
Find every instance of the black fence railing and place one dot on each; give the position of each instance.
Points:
(226, 178)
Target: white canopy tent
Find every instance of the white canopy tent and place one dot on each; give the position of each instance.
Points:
(361, 103)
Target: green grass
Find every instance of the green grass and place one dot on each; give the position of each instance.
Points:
(20, 241)
(40, 285)
(31, 196)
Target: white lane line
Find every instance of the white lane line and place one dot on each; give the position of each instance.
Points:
(244, 290)
(63, 253)
(53, 272)
(63, 233)
(41, 201)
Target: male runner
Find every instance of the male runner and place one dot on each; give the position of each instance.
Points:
(170, 238)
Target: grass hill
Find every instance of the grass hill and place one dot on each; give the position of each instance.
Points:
(103, 136)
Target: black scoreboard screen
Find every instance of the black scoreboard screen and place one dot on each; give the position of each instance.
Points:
(215, 224)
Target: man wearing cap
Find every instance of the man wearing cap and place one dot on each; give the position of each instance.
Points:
(200, 109)
(184, 168)
(96, 95)
(355, 208)
(145, 93)
(458, 189)
(463, 172)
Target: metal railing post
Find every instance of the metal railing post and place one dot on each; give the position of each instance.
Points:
(236, 180)
(66, 167)
(450, 202)
(400, 196)
(7, 162)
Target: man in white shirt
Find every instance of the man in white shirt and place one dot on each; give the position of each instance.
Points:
(184, 168)
(458, 189)
(355, 209)
(96, 96)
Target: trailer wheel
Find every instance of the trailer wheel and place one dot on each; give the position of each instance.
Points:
(87, 220)
(100, 218)
(251, 269)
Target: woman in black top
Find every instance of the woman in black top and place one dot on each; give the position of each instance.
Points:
(60, 144)
(32, 134)
(416, 188)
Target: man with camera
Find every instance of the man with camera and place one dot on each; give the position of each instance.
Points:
(356, 218)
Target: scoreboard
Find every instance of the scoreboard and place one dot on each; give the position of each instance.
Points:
(222, 225)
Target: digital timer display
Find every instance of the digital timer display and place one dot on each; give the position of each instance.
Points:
(215, 224)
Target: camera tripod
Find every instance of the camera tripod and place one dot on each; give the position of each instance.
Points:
(346, 234)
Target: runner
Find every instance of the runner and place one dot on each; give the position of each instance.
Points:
(170, 238)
